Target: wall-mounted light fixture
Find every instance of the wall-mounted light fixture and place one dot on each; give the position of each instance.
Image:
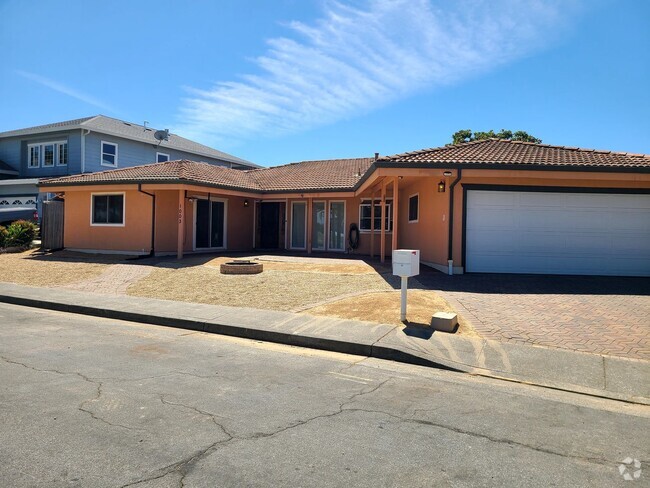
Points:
(441, 186)
(191, 200)
(447, 174)
(246, 202)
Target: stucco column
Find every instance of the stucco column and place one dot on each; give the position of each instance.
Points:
(382, 244)
(372, 223)
(395, 211)
(181, 224)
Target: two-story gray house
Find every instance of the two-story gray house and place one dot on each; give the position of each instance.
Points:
(86, 145)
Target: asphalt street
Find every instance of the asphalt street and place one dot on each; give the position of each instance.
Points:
(104, 403)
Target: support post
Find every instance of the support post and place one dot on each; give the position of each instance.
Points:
(372, 224)
(382, 244)
(181, 224)
(395, 211)
(402, 315)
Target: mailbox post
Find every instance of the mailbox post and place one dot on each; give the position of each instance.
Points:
(406, 262)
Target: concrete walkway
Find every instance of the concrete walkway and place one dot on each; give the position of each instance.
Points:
(605, 376)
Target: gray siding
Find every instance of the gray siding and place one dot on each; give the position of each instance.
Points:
(10, 152)
(133, 153)
(13, 151)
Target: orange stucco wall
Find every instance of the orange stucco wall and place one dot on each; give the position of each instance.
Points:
(166, 220)
(134, 236)
(239, 221)
(429, 233)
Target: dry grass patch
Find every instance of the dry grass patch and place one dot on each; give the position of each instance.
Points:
(273, 289)
(385, 308)
(31, 268)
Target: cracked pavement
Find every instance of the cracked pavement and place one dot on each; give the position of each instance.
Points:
(93, 402)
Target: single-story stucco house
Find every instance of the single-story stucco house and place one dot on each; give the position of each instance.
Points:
(486, 206)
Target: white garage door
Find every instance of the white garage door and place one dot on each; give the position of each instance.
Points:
(558, 233)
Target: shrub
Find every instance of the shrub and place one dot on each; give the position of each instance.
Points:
(3, 236)
(20, 233)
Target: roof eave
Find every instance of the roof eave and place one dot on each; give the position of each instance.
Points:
(157, 181)
(517, 166)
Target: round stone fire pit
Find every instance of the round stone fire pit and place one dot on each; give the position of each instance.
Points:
(240, 267)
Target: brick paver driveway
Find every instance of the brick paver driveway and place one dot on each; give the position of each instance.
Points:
(603, 315)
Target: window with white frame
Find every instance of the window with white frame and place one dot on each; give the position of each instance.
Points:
(47, 154)
(107, 209)
(414, 207)
(62, 154)
(109, 154)
(365, 215)
(161, 157)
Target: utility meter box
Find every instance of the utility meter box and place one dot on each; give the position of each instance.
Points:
(406, 262)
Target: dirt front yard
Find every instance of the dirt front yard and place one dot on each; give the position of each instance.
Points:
(60, 269)
(344, 288)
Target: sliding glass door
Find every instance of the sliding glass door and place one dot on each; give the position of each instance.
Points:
(210, 224)
(299, 225)
(318, 226)
(337, 226)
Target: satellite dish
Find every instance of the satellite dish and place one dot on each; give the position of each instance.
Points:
(161, 135)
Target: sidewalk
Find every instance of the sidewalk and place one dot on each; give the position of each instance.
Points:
(604, 376)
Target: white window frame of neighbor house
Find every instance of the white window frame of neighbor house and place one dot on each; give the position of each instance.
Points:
(389, 215)
(417, 211)
(107, 194)
(101, 154)
(56, 155)
(158, 154)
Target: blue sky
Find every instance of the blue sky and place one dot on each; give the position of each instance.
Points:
(275, 81)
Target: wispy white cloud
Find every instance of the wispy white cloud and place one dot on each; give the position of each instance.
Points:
(357, 58)
(66, 90)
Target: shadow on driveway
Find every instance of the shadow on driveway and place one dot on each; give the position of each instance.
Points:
(534, 284)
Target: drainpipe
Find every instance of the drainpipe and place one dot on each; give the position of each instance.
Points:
(450, 260)
(153, 218)
(84, 133)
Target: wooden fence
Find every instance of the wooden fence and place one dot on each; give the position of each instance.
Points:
(52, 225)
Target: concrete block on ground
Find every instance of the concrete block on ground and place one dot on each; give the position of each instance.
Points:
(444, 321)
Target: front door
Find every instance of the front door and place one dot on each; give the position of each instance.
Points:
(210, 224)
(270, 225)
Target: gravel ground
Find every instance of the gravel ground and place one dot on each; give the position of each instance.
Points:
(273, 289)
(49, 270)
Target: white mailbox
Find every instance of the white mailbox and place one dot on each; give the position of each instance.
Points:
(406, 262)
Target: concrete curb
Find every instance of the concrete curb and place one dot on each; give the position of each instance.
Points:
(312, 342)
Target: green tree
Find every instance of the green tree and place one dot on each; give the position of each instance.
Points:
(466, 135)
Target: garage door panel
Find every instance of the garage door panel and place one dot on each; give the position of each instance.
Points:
(631, 220)
(566, 233)
(497, 241)
(483, 218)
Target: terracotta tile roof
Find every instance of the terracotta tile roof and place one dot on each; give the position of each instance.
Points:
(331, 174)
(336, 174)
(169, 171)
(499, 151)
(345, 174)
